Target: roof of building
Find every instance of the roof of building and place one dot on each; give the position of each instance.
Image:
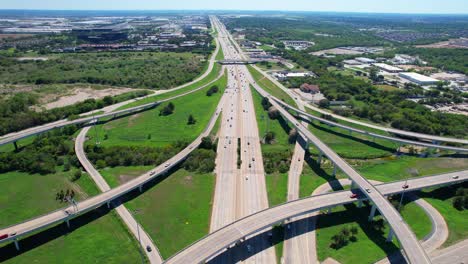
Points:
(418, 77)
(387, 67)
(310, 87)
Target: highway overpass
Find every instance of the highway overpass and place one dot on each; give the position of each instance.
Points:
(220, 240)
(370, 134)
(61, 215)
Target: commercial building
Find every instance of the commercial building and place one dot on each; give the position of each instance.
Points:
(387, 68)
(365, 60)
(310, 88)
(418, 78)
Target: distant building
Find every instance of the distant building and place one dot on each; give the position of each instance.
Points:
(406, 59)
(310, 88)
(298, 44)
(387, 68)
(285, 75)
(365, 60)
(418, 78)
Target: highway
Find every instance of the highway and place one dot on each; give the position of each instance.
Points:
(414, 251)
(13, 137)
(218, 241)
(64, 214)
(239, 191)
(371, 134)
(137, 230)
(385, 129)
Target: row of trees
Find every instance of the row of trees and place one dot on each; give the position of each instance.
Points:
(345, 235)
(16, 113)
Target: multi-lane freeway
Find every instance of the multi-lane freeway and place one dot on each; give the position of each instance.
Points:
(218, 241)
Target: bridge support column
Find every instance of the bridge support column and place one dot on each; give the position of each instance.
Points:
(319, 159)
(16, 145)
(329, 210)
(398, 150)
(141, 188)
(68, 223)
(17, 244)
(334, 170)
(108, 204)
(353, 185)
(359, 204)
(390, 235)
(372, 212)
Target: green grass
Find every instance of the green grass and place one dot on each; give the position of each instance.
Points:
(25, 196)
(312, 177)
(388, 88)
(270, 87)
(392, 168)
(104, 240)
(23, 142)
(180, 204)
(277, 188)
(441, 199)
(118, 175)
(371, 244)
(135, 130)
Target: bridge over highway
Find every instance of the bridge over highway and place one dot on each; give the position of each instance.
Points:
(220, 240)
(236, 62)
(408, 240)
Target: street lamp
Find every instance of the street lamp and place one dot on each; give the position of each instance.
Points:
(137, 211)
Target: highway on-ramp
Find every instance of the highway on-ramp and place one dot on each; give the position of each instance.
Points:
(218, 241)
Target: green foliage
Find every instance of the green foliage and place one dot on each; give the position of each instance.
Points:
(191, 120)
(15, 112)
(167, 110)
(200, 160)
(140, 70)
(460, 201)
(213, 89)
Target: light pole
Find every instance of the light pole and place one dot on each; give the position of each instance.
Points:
(405, 185)
(137, 211)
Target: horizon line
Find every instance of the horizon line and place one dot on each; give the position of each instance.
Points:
(238, 10)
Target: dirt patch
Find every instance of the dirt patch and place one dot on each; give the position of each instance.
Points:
(125, 178)
(79, 95)
(188, 180)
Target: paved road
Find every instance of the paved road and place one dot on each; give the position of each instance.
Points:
(239, 191)
(136, 229)
(218, 241)
(110, 110)
(61, 215)
(386, 129)
(370, 134)
(455, 254)
(410, 244)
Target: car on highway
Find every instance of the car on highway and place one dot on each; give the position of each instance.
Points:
(13, 234)
(250, 165)
(249, 248)
(253, 159)
(368, 190)
(354, 195)
(455, 177)
(4, 236)
(405, 186)
(67, 212)
(152, 173)
(167, 165)
(148, 248)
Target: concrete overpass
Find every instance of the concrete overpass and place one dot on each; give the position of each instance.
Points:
(371, 134)
(219, 241)
(61, 215)
(236, 62)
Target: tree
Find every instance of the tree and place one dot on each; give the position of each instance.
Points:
(213, 89)
(191, 120)
(265, 103)
(458, 203)
(292, 136)
(269, 137)
(324, 103)
(76, 175)
(101, 164)
(273, 113)
(167, 110)
(206, 143)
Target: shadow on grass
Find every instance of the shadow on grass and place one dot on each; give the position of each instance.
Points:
(37, 239)
(334, 183)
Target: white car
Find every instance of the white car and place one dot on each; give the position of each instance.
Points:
(167, 165)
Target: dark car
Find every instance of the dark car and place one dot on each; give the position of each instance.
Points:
(148, 248)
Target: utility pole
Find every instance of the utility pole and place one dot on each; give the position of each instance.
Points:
(137, 211)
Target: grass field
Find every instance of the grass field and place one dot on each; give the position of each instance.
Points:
(118, 175)
(103, 240)
(441, 199)
(180, 204)
(25, 196)
(370, 243)
(150, 129)
(277, 188)
(387, 88)
(270, 87)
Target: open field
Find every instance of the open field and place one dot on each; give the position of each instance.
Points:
(441, 199)
(270, 87)
(179, 204)
(151, 129)
(103, 240)
(370, 243)
(155, 70)
(119, 175)
(388, 88)
(277, 188)
(25, 196)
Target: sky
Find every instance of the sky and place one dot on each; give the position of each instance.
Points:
(373, 6)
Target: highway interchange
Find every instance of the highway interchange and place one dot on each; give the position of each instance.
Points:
(240, 206)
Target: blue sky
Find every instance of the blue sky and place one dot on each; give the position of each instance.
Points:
(385, 6)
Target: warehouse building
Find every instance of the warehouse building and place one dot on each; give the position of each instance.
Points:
(418, 78)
